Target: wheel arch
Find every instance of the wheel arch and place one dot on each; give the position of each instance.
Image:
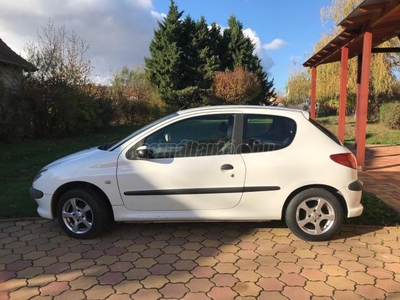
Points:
(328, 188)
(79, 184)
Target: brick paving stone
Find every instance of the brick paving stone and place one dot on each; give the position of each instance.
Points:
(127, 287)
(179, 276)
(246, 254)
(144, 263)
(206, 261)
(69, 275)
(348, 295)
(297, 293)
(199, 285)
(283, 248)
(111, 278)
(69, 257)
(6, 275)
(322, 250)
(83, 283)
(353, 266)
(246, 275)
(172, 249)
(129, 256)
(99, 292)
(67, 295)
(388, 285)
(195, 296)
(174, 290)
(271, 296)
(304, 253)
(96, 270)
(333, 270)
(137, 274)
(151, 282)
(370, 292)
(293, 279)
(371, 262)
(269, 271)
(247, 289)
(106, 260)
(161, 269)
(379, 273)
(23, 293)
(203, 272)
(121, 266)
(247, 264)
(224, 280)
(56, 268)
(361, 278)
(340, 283)
(394, 267)
(186, 254)
(222, 293)
(267, 261)
(387, 257)
(287, 257)
(151, 253)
(319, 288)
(81, 264)
(270, 284)
(226, 268)
(289, 267)
(345, 255)
(314, 274)
(227, 257)
(54, 288)
(309, 263)
(184, 265)
(41, 280)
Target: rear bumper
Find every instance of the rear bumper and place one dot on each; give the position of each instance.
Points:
(353, 199)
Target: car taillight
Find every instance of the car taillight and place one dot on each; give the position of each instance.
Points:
(345, 159)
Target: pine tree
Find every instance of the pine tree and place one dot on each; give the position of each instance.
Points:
(164, 65)
(238, 51)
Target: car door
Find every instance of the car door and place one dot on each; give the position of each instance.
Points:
(189, 165)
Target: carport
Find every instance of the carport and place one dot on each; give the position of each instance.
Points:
(369, 25)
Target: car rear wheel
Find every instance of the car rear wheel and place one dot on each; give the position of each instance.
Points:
(314, 215)
(82, 213)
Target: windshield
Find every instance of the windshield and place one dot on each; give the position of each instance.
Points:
(117, 144)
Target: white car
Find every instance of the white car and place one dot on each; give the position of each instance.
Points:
(221, 163)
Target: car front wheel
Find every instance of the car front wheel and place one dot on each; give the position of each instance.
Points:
(82, 213)
(314, 215)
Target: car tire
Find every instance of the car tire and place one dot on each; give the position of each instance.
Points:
(82, 213)
(314, 215)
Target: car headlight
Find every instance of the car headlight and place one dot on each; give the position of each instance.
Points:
(39, 174)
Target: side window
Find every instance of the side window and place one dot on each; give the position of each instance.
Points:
(263, 133)
(198, 136)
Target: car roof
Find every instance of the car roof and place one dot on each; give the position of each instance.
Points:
(244, 108)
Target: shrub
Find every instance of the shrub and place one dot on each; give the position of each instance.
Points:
(390, 115)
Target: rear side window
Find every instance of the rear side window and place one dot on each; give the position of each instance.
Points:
(326, 131)
(262, 133)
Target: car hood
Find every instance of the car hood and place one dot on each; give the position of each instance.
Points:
(75, 156)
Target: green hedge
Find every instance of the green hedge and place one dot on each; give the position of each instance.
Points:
(390, 115)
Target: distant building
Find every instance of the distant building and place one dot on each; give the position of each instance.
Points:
(11, 67)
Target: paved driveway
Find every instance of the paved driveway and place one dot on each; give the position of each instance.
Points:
(197, 261)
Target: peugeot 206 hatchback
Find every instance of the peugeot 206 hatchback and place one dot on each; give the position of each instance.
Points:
(221, 163)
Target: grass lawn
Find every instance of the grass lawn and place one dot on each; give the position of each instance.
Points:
(21, 161)
(377, 133)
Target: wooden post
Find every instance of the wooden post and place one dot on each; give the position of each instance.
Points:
(359, 67)
(343, 93)
(313, 92)
(363, 106)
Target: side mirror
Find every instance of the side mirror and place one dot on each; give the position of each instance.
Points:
(142, 152)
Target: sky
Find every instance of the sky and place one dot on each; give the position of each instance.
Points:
(119, 32)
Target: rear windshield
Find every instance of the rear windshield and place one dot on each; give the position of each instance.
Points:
(326, 131)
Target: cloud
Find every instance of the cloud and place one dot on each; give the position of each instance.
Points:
(118, 32)
(276, 44)
(158, 16)
(266, 60)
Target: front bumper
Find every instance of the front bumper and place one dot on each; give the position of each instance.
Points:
(43, 201)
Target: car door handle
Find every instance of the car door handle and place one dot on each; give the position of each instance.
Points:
(226, 167)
